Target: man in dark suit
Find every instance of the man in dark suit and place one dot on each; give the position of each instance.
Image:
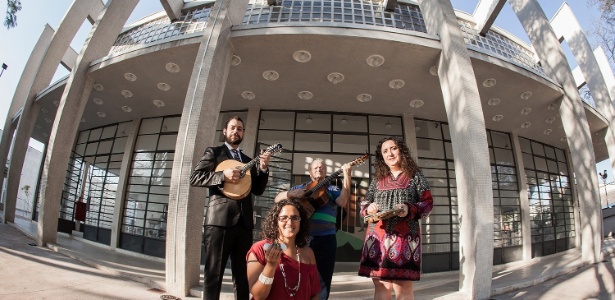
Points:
(228, 222)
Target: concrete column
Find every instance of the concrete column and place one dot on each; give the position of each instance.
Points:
(555, 65)
(18, 156)
(39, 71)
(120, 195)
(38, 186)
(197, 131)
(248, 146)
(575, 200)
(605, 69)
(173, 8)
(470, 148)
(69, 59)
(410, 135)
(565, 25)
(524, 201)
(485, 14)
(19, 99)
(70, 110)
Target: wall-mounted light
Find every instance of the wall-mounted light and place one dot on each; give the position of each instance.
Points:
(248, 95)
(343, 121)
(490, 82)
(172, 67)
(416, 103)
(271, 75)
(493, 101)
(364, 97)
(526, 95)
(236, 60)
(335, 77)
(375, 60)
(302, 56)
(163, 86)
(130, 76)
(309, 120)
(388, 125)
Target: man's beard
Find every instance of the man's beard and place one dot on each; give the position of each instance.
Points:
(235, 142)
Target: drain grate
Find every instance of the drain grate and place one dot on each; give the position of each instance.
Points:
(169, 297)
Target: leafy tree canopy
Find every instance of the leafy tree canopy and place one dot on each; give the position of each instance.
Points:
(604, 29)
(12, 7)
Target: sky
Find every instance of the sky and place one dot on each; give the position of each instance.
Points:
(17, 43)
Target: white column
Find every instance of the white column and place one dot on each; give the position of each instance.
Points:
(470, 148)
(196, 132)
(565, 25)
(248, 146)
(572, 111)
(120, 194)
(19, 100)
(524, 201)
(70, 110)
(410, 135)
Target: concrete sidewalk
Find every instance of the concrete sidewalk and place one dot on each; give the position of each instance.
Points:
(99, 272)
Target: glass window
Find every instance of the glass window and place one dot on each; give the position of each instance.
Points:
(146, 143)
(150, 126)
(270, 137)
(315, 121)
(313, 142)
(385, 125)
(350, 143)
(506, 201)
(277, 120)
(102, 169)
(547, 198)
(349, 123)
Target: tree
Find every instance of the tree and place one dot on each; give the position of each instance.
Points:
(604, 29)
(12, 7)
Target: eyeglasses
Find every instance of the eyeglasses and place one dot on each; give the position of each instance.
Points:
(286, 218)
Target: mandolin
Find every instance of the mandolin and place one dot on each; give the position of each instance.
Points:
(241, 188)
(316, 194)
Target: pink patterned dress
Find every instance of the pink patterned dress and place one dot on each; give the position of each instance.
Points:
(392, 247)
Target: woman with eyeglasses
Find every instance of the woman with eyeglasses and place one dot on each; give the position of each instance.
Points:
(282, 266)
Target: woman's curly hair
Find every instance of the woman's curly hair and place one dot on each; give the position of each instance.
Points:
(408, 165)
(270, 224)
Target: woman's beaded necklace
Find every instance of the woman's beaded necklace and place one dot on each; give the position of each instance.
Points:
(292, 291)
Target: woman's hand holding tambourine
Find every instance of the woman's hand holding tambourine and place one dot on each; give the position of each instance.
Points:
(403, 213)
(372, 209)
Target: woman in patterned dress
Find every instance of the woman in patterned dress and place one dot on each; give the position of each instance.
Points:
(391, 253)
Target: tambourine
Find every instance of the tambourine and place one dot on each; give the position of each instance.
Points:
(382, 215)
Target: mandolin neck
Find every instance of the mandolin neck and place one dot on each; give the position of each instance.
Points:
(323, 182)
(249, 165)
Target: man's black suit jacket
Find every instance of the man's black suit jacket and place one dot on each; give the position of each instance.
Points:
(222, 211)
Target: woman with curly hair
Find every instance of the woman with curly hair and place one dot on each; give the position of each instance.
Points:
(391, 253)
(282, 266)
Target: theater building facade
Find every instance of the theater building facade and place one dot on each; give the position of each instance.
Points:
(505, 132)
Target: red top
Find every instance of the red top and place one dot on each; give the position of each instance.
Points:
(310, 284)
